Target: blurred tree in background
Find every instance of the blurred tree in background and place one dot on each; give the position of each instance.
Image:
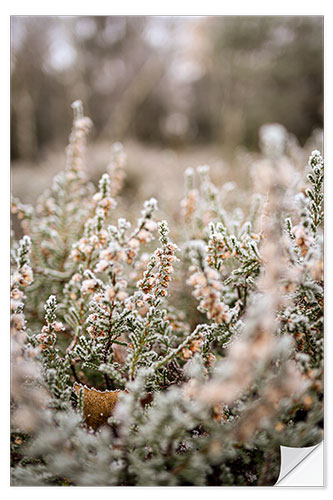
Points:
(267, 69)
(170, 80)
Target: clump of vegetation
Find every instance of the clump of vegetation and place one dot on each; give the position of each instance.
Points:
(139, 362)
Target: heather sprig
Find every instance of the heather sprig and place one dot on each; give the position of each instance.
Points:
(316, 179)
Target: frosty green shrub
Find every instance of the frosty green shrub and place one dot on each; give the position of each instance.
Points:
(139, 362)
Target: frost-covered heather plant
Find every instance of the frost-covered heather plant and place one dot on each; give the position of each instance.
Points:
(115, 379)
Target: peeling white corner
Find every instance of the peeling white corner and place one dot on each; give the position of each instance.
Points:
(302, 466)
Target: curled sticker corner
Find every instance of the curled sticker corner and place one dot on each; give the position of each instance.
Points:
(291, 461)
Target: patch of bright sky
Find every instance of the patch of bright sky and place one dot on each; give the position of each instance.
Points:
(62, 53)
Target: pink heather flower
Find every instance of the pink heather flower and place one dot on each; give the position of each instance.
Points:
(75, 253)
(24, 277)
(122, 283)
(97, 197)
(117, 269)
(110, 253)
(89, 286)
(144, 236)
(58, 326)
(108, 203)
(101, 266)
(122, 295)
(18, 321)
(129, 304)
(110, 294)
(150, 225)
(134, 243)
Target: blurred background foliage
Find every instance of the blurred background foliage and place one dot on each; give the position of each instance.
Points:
(171, 82)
